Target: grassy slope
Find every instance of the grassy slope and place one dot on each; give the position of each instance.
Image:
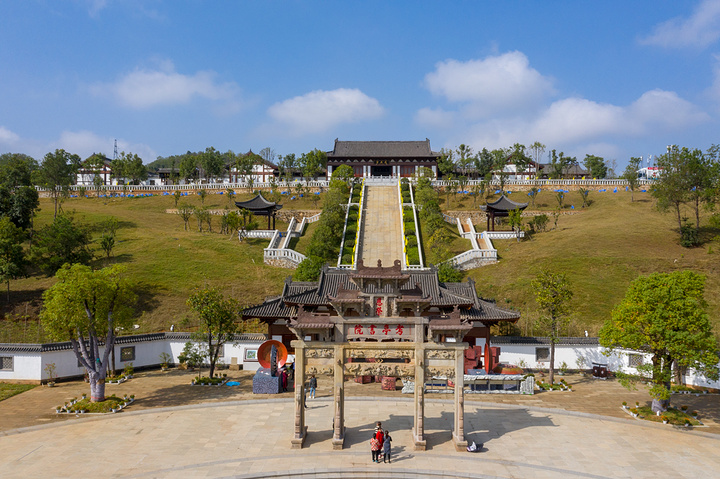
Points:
(168, 262)
(602, 249)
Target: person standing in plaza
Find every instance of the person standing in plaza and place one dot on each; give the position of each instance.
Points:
(313, 386)
(376, 442)
(386, 446)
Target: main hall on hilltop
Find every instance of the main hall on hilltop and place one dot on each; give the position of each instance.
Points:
(383, 158)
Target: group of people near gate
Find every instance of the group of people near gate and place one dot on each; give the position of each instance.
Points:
(380, 444)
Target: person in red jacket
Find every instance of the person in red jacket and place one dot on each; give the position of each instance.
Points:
(378, 442)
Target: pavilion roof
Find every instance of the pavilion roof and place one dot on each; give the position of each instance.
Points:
(258, 204)
(382, 149)
(504, 204)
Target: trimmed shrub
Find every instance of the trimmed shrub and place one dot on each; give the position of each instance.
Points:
(413, 257)
(347, 259)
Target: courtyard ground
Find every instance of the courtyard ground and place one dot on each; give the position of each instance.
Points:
(177, 430)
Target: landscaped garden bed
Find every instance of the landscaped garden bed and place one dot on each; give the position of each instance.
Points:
(561, 386)
(206, 381)
(348, 252)
(110, 405)
(672, 416)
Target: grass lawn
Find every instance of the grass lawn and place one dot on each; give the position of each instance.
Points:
(10, 390)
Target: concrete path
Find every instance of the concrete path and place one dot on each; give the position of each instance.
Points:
(382, 234)
(251, 439)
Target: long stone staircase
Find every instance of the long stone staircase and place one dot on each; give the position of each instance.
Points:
(381, 233)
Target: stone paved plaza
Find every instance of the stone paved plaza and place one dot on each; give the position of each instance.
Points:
(239, 435)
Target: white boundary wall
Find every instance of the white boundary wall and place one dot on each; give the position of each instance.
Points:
(29, 360)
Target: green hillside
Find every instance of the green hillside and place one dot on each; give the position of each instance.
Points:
(601, 248)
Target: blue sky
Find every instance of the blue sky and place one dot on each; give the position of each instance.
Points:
(613, 78)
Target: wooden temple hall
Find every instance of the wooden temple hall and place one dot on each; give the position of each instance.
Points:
(380, 321)
(382, 158)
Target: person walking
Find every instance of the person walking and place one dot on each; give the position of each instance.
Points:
(386, 446)
(313, 386)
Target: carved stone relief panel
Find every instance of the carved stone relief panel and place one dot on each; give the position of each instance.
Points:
(381, 353)
(319, 353)
(319, 370)
(431, 371)
(379, 369)
(440, 354)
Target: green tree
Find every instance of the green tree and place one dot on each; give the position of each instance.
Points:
(246, 166)
(665, 314)
(704, 181)
(129, 167)
(584, 194)
(60, 242)
(465, 158)
(537, 149)
(12, 255)
(312, 163)
(185, 211)
(212, 163)
(18, 197)
(17, 169)
(595, 165)
(188, 167)
(631, 175)
(519, 158)
(446, 162)
(84, 307)
(217, 317)
(286, 165)
(553, 295)
(56, 173)
(484, 164)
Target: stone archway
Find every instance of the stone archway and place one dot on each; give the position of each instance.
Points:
(422, 360)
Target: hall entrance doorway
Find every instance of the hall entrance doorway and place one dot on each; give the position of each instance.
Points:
(381, 170)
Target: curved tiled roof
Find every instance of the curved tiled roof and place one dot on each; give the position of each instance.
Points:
(335, 282)
(382, 149)
(258, 204)
(504, 204)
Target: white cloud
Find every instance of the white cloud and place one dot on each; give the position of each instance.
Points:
(319, 111)
(84, 143)
(142, 88)
(95, 6)
(701, 29)
(496, 83)
(435, 118)
(8, 137)
(570, 123)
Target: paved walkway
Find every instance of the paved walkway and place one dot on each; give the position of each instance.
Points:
(382, 234)
(177, 430)
(251, 439)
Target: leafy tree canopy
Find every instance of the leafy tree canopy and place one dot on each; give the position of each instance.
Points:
(60, 242)
(596, 166)
(217, 320)
(84, 307)
(665, 314)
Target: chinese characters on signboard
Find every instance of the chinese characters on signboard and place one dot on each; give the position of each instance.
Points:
(380, 331)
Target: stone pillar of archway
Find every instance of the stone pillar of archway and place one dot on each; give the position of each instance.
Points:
(300, 432)
(419, 419)
(458, 435)
(338, 439)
